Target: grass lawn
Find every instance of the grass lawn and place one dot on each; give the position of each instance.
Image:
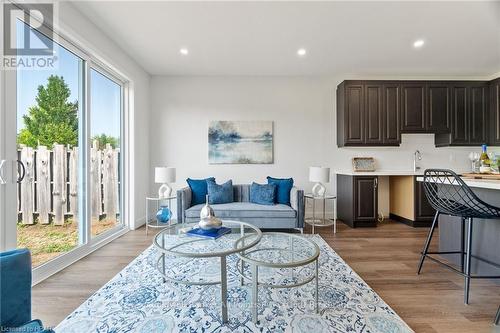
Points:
(47, 241)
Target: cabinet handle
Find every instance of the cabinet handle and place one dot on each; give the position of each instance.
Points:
(376, 183)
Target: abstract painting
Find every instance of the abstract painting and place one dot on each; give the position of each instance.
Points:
(240, 142)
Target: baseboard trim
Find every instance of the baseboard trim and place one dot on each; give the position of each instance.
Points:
(414, 224)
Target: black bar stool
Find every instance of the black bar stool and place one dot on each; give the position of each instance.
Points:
(448, 194)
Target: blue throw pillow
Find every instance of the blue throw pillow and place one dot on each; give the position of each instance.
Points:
(198, 189)
(263, 194)
(220, 194)
(284, 185)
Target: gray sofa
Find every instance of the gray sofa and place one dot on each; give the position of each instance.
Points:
(262, 216)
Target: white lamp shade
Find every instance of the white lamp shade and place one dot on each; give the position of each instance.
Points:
(319, 174)
(164, 175)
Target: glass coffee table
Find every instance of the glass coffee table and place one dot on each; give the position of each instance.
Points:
(179, 250)
(279, 260)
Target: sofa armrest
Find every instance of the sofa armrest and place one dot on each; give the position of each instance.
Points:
(298, 204)
(184, 196)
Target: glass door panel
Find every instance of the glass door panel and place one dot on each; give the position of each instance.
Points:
(49, 135)
(105, 154)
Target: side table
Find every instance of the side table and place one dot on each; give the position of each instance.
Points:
(151, 221)
(316, 221)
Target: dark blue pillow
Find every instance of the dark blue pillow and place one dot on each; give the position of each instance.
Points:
(198, 189)
(220, 194)
(263, 194)
(284, 185)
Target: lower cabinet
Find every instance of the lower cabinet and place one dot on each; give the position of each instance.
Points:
(424, 213)
(357, 200)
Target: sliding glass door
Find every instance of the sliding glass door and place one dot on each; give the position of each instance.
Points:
(61, 179)
(105, 158)
(50, 109)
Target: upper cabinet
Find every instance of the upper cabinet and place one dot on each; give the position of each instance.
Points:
(495, 113)
(479, 114)
(350, 123)
(375, 113)
(469, 115)
(391, 94)
(437, 116)
(368, 114)
(413, 107)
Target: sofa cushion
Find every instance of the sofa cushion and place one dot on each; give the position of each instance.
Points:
(245, 209)
(283, 191)
(220, 194)
(263, 194)
(198, 189)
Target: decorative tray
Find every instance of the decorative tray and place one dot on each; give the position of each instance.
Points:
(363, 164)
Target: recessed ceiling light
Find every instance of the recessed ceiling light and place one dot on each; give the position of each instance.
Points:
(418, 43)
(184, 51)
(301, 52)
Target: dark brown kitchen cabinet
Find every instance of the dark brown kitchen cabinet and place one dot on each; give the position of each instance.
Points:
(437, 115)
(478, 115)
(350, 114)
(495, 113)
(413, 107)
(458, 113)
(357, 203)
(392, 110)
(367, 114)
(424, 213)
(374, 114)
(365, 198)
(469, 115)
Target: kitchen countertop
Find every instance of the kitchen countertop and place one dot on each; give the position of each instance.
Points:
(477, 183)
(382, 173)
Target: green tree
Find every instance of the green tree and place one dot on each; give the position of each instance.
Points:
(54, 119)
(104, 139)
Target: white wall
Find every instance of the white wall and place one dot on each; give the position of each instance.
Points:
(75, 26)
(303, 111)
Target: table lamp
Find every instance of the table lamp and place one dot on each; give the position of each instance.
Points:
(164, 176)
(319, 175)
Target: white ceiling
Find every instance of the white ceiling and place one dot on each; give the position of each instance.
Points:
(342, 38)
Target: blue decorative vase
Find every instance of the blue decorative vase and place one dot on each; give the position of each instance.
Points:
(163, 215)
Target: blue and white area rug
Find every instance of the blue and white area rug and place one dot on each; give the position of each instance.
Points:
(137, 300)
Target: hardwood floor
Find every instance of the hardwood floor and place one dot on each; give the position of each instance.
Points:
(385, 257)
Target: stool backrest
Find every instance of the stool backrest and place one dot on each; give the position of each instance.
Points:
(449, 194)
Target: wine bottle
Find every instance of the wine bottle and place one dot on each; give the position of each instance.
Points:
(484, 160)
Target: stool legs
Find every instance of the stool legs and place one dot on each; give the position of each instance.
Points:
(497, 318)
(467, 261)
(462, 246)
(428, 242)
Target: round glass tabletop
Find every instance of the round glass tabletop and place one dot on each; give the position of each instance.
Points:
(175, 241)
(278, 250)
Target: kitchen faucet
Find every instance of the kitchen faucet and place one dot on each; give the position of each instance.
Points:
(416, 156)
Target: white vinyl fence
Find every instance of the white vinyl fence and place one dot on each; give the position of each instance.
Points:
(49, 190)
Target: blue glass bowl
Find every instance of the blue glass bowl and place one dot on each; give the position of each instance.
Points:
(163, 215)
